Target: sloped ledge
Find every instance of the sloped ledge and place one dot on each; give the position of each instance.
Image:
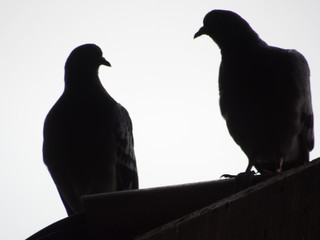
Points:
(283, 207)
(124, 215)
(267, 210)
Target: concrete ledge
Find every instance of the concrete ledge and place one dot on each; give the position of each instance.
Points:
(74, 227)
(286, 206)
(283, 206)
(124, 215)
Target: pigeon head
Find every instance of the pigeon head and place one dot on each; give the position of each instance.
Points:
(227, 29)
(85, 59)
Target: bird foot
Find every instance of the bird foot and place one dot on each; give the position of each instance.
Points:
(247, 174)
(228, 176)
(241, 180)
(240, 175)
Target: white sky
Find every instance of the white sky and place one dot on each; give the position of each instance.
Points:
(165, 78)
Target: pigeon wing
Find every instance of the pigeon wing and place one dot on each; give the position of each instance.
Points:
(301, 75)
(126, 168)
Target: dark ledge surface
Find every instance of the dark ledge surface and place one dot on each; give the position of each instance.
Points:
(262, 206)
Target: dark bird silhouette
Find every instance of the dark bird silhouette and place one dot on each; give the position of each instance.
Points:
(88, 141)
(264, 94)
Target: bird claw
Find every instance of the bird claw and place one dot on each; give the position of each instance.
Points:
(228, 176)
(246, 173)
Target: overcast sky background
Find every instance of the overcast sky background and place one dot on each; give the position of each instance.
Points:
(167, 81)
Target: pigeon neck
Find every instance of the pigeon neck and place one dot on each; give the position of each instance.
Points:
(241, 44)
(242, 49)
(81, 81)
(234, 51)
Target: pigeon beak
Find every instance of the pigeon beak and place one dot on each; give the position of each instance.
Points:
(200, 32)
(105, 62)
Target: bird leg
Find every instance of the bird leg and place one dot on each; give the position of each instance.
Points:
(249, 167)
(279, 168)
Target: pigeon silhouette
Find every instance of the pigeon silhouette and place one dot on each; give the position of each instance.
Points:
(264, 94)
(88, 142)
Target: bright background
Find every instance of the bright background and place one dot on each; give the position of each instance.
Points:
(165, 78)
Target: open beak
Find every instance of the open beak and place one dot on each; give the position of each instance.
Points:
(105, 62)
(200, 32)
